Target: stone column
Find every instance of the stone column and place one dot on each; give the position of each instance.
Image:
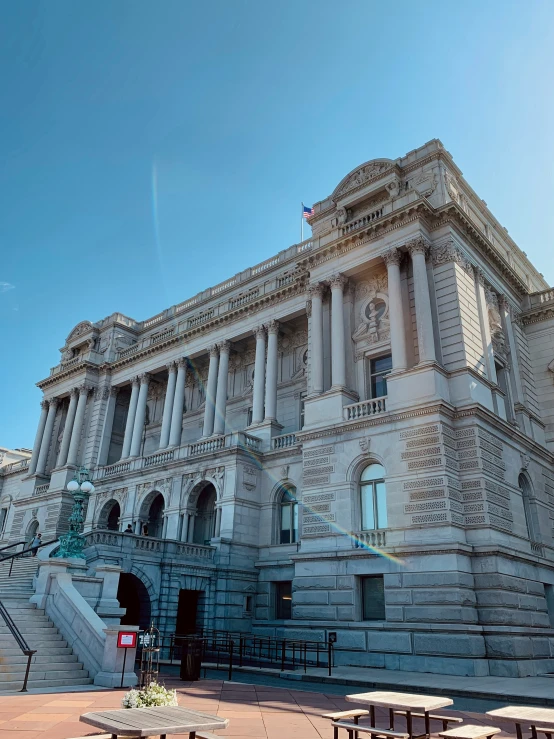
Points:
(486, 339)
(73, 452)
(168, 404)
(38, 437)
(392, 259)
(131, 413)
(47, 436)
(338, 355)
(221, 395)
(271, 374)
(217, 531)
(209, 405)
(178, 404)
(259, 376)
(140, 415)
(316, 349)
(66, 438)
(108, 427)
(424, 318)
(515, 374)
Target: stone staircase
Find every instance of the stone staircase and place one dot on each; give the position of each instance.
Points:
(54, 664)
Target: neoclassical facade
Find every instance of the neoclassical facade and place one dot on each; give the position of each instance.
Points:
(356, 435)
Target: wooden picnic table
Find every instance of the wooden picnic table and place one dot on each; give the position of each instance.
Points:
(410, 703)
(532, 716)
(161, 720)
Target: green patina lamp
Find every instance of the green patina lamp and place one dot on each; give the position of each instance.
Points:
(72, 543)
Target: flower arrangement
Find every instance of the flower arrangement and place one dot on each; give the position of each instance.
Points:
(153, 695)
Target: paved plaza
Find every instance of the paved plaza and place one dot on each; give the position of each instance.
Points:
(254, 711)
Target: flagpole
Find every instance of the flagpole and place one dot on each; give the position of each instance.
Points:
(301, 222)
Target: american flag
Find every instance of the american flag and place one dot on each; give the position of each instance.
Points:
(307, 212)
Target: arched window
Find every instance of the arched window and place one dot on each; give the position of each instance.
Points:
(288, 516)
(373, 496)
(525, 488)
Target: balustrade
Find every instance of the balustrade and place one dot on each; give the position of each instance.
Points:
(116, 469)
(375, 538)
(284, 441)
(546, 296)
(165, 548)
(363, 409)
(41, 489)
(244, 298)
(363, 221)
(207, 445)
(158, 458)
(23, 464)
(162, 336)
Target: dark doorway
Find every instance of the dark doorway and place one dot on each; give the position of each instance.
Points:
(204, 521)
(113, 518)
(155, 516)
(133, 596)
(187, 611)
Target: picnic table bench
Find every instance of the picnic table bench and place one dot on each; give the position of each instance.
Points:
(537, 718)
(410, 705)
(155, 721)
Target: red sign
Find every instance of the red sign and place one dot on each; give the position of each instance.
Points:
(126, 639)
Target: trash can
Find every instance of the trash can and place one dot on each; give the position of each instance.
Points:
(191, 659)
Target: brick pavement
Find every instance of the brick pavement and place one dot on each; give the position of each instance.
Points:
(254, 711)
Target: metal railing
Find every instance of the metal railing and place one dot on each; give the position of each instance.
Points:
(228, 650)
(24, 552)
(21, 643)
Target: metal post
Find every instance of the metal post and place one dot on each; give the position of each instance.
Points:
(29, 658)
(231, 646)
(329, 653)
(283, 650)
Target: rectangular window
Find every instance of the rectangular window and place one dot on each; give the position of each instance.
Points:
(249, 417)
(3, 516)
(373, 598)
(283, 600)
(302, 411)
(248, 604)
(379, 368)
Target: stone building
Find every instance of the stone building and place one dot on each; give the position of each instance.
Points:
(355, 435)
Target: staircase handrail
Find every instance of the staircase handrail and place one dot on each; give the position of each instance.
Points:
(16, 544)
(21, 643)
(14, 556)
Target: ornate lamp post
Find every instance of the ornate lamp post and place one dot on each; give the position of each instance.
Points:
(72, 543)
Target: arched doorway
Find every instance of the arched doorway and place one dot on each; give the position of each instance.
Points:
(109, 516)
(152, 514)
(133, 595)
(32, 531)
(204, 520)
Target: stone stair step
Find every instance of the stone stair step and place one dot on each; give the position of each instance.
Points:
(15, 685)
(17, 658)
(43, 674)
(66, 668)
(45, 652)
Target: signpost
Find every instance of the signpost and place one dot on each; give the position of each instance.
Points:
(126, 640)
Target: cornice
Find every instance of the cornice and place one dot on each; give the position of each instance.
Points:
(537, 314)
(78, 369)
(298, 286)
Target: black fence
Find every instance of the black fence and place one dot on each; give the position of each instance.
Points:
(227, 650)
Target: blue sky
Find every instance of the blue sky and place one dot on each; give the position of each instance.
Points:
(237, 110)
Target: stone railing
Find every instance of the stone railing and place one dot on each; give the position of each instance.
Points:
(304, 246)
(201, 318)
(375, 538)
(116, 469)
(163, 335)
(363, 221)
(41, 489)
(159, 458)
(127, 352)
(284, 441)
(213, 444)
(538, 299)
(234, 440)
(129, 543)
(364, 409)
(13, 467)
(244, 298)
(155, 320)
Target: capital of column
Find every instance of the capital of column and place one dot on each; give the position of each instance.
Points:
(135, 381)
(182, 363)
(114, 391)
(104, 392)
(54, 403)
(74, 391)
(479, 275)
(272, 327)
(224, 347)
(417, 246)
(259, 332)
(45, 403)
(503, 303)
(171, 367)
(144, 378)
(392, 256)
(315, 290)
(338, 281)
(213, 351)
